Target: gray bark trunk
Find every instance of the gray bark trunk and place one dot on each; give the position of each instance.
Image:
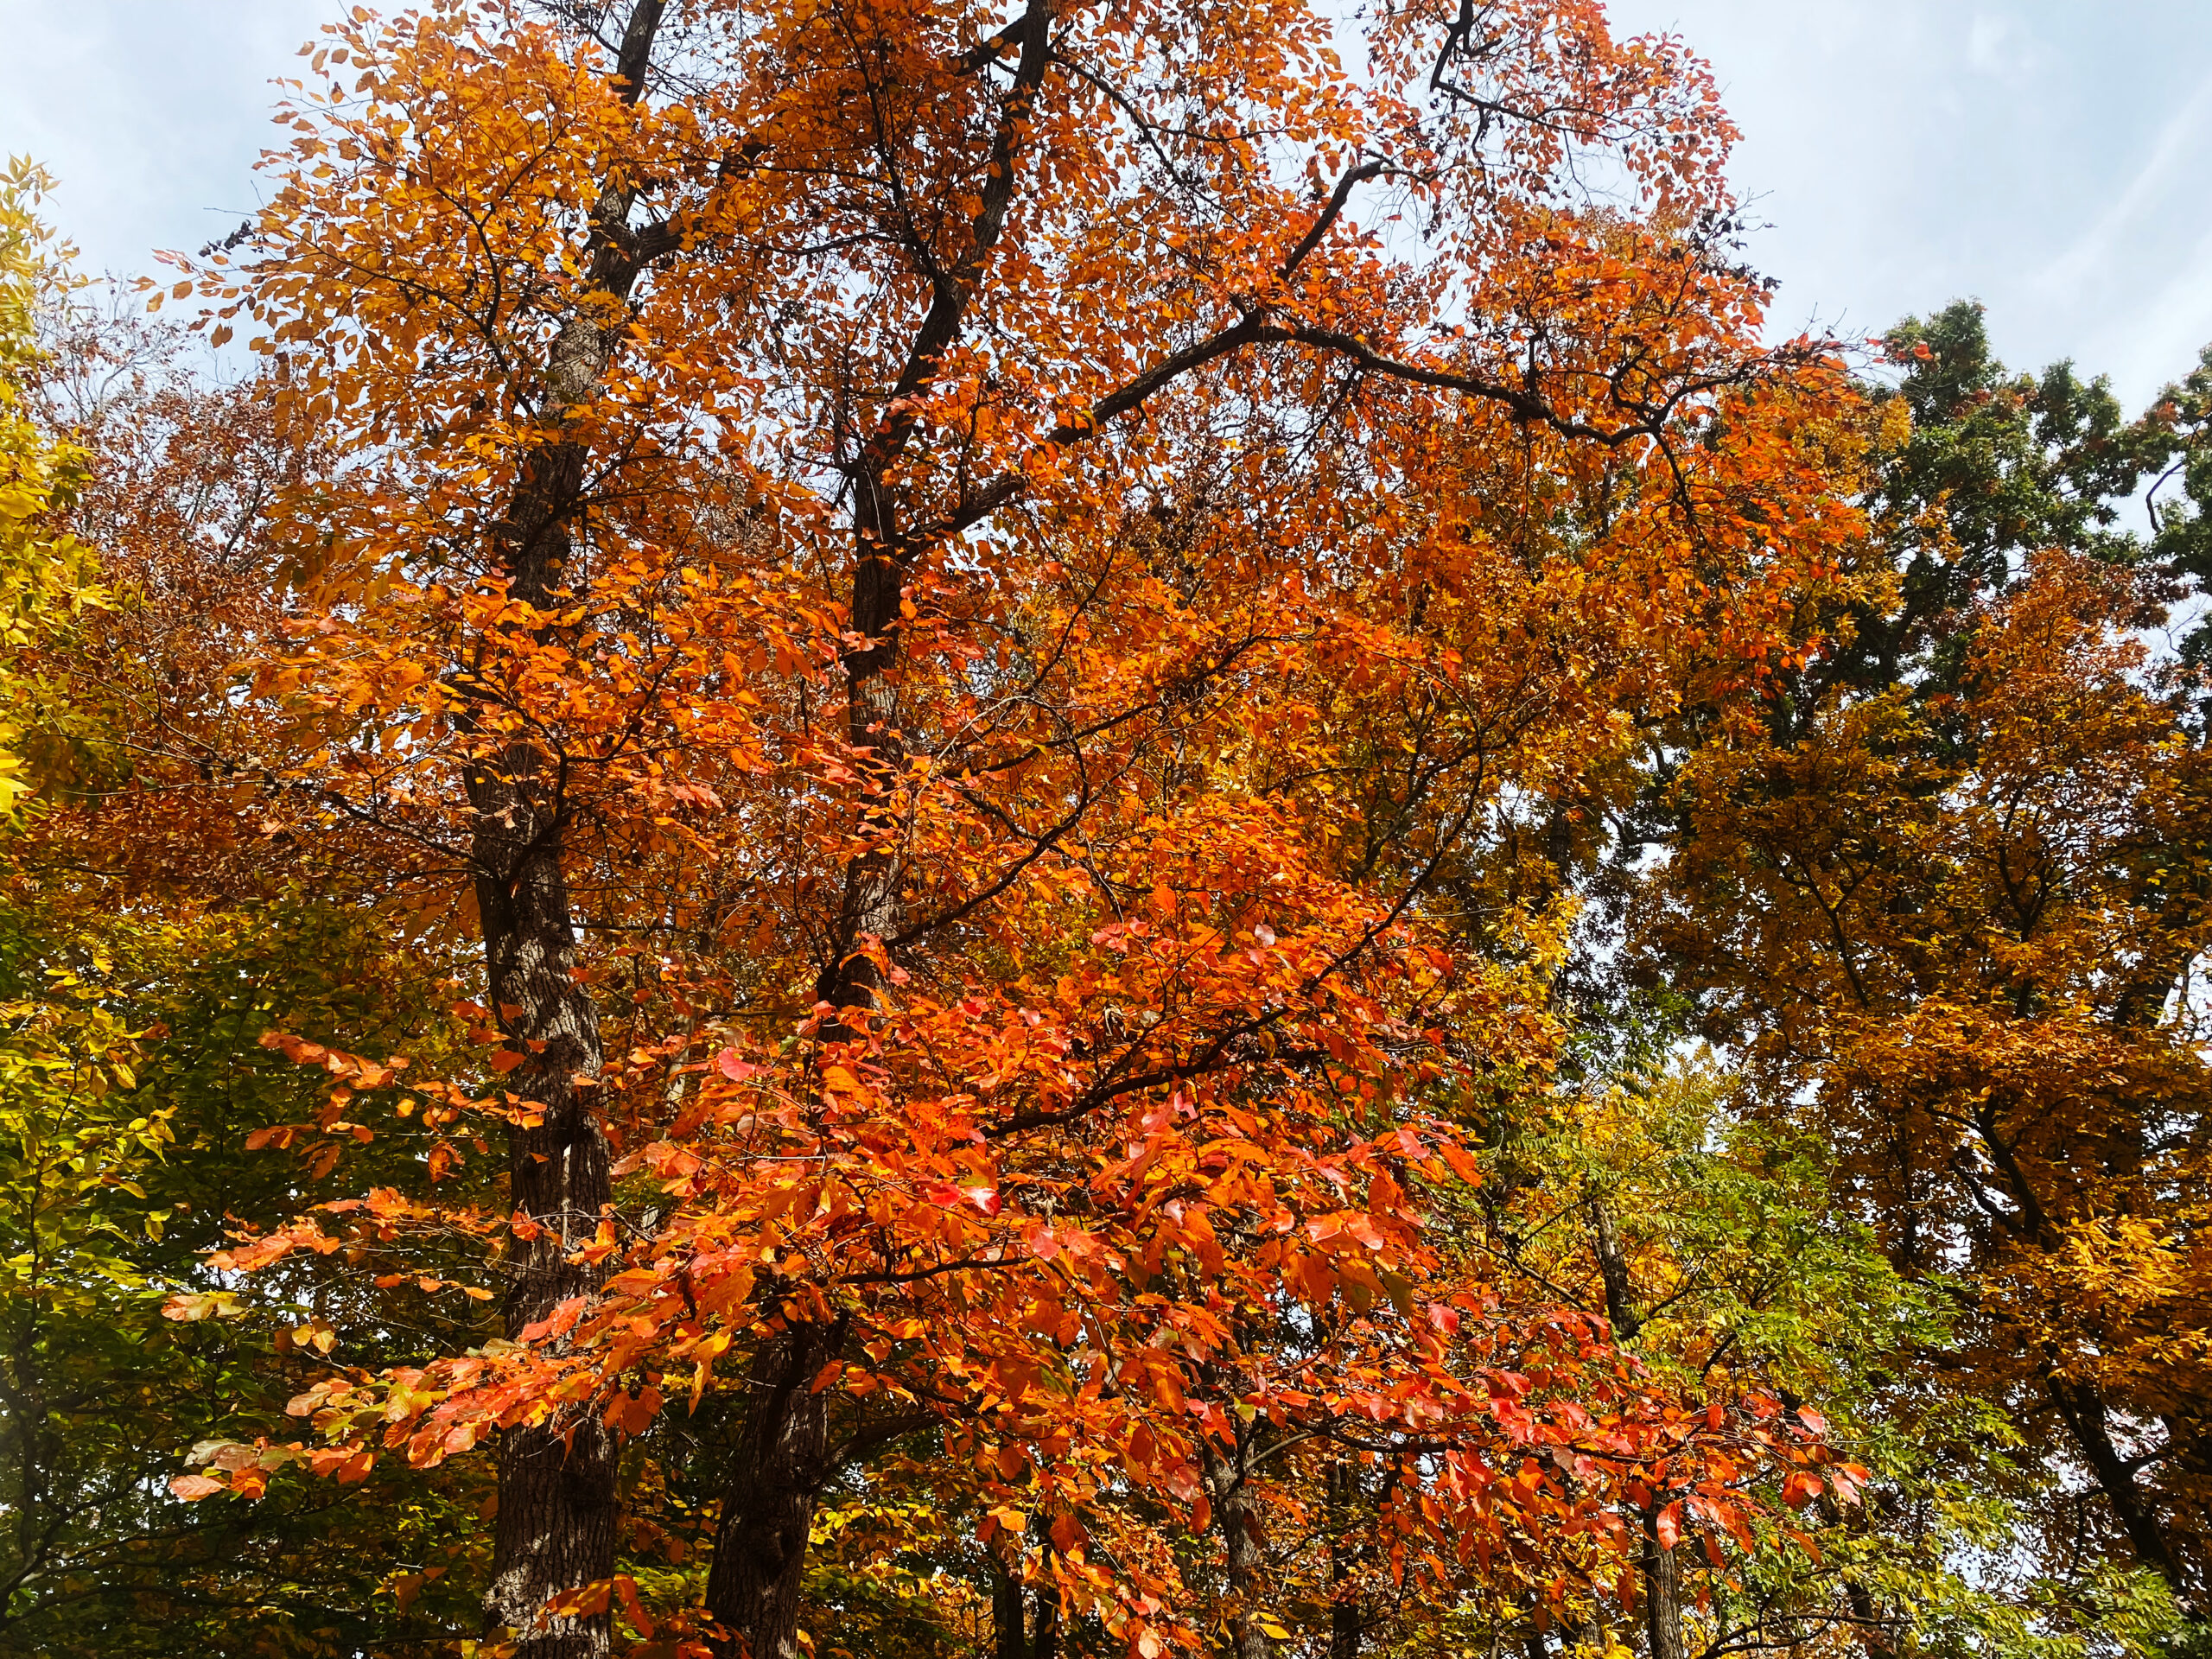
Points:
(777, 1473)
(1662, 1595)
(1227, 1483)
(555, 1526)
(557, 1511)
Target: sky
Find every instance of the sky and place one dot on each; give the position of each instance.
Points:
(2049, 157)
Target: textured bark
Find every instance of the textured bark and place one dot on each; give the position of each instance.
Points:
(777, 1473)
(556, 1527)
(1228, 1486)
(1874, 1629)
(1612, 1270)
(1662, 1595)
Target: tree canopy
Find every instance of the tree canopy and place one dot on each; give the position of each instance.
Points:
(1081, 828)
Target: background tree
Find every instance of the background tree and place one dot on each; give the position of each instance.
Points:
(1946, 899)
(149, 934)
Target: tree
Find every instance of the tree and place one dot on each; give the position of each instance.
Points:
(943, 592)
(142, 957)
(1718, 1244)
(1947, 897)
(45, 578)
(2172, 438)
(1974, 470)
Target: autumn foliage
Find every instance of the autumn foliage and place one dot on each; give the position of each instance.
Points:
(975, 673)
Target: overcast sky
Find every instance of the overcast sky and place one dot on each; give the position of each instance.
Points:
(2047, 156)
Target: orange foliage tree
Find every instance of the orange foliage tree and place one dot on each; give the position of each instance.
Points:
(1962, 930)
(948, 594)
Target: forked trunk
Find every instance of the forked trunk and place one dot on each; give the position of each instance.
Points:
(756, 1584)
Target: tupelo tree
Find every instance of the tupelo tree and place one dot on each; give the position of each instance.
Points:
(941, 588)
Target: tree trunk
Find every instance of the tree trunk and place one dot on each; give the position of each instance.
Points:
(1017, 1631)
(1344, 1623)
(2082, 1408)
(758, 1579)
(1662, 1594)
(1226, 1481)
(556, 1527)
(1612, 1272)
(1009, 1612)
(874, 880)
(777, 1473)
(755, 1585)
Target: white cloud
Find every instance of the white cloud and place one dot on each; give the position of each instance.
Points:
(2038, 154)
(2091, 254)
(1998, 47)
